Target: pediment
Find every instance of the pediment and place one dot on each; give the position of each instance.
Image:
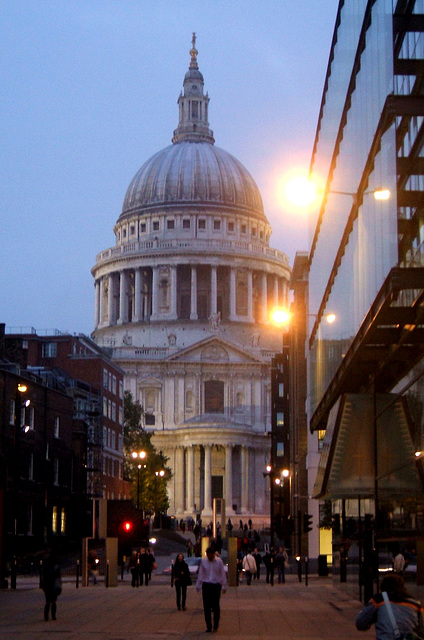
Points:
(215, 351)
(149, 382)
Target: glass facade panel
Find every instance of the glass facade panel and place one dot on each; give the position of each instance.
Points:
(356, 241)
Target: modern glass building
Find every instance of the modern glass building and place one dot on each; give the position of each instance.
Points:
(365, 370)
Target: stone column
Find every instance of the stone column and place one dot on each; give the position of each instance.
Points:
(229, 477)
(244, 479)
(264, 298)
(174, 314)
(193, 295)
(97, 303)
(179, 480)
(101, 300)
(233, 315)
(137, 295)
(190, 480)
(250, 296)
(155, 292)
(207, 508)
(213, 290)
(123, 298)
(111, 300)
(276, 302)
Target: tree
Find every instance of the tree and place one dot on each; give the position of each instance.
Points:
(151, 479)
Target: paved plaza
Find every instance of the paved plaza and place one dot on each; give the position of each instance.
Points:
(320, 611)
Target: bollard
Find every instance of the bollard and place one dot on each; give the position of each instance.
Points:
(299, 568)
(40, 584)
(306, 570)
(124, 559)
(78, 575)
(13, 571)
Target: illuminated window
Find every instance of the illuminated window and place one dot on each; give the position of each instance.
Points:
(280, 449)
(63, 521)
(105, 378)
(280, 419)
(54, 520)
(56, 427)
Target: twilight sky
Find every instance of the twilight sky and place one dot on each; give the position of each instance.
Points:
(89, 92)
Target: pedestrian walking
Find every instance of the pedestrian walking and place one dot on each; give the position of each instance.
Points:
(144, 567)
(181, 580)
(249, 567)
(399, 563)
(211, 580)
(51, 585)
(258, 560)
(393, 611)
(281, 558)
(269, 559)
(152, 562)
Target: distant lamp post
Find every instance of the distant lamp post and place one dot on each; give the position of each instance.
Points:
(138, 455)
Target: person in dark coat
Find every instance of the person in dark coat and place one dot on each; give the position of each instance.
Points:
(258, 560)
(181, 579)
(51, 585)
(269, 562)
(145, 566)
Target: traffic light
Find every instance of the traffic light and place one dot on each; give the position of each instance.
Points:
(307, 522)
(127, 526)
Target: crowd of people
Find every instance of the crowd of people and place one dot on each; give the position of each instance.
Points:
(141, 564)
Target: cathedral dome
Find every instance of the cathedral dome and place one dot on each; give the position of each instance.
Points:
(193, 173)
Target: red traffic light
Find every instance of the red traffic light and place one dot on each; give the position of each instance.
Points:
(127, 526)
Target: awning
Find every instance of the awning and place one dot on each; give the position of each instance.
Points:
(347, 464)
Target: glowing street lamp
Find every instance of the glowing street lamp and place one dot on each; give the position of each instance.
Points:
(138, 455)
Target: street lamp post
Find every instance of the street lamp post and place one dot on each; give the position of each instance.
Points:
(138, 455)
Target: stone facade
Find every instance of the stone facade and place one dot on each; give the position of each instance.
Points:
(183, 301)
